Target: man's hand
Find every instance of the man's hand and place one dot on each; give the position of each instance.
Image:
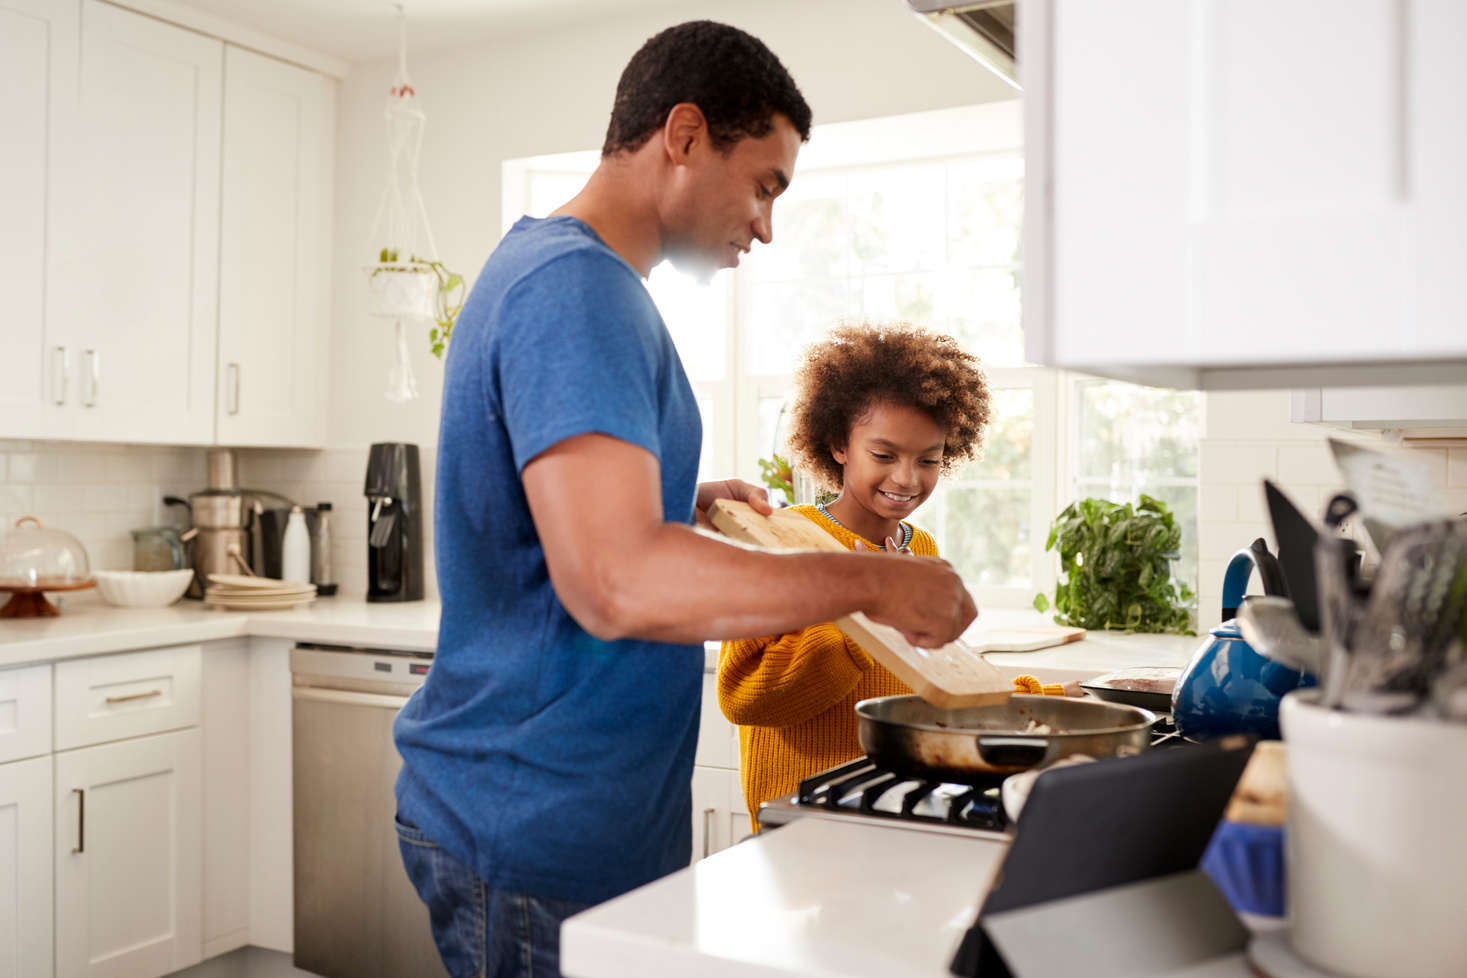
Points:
(738, 489)
(925, 600)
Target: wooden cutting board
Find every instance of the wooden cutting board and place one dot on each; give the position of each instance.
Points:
(951, 677)
(1022, 638)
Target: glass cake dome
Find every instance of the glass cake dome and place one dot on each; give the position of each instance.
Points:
(34, 559)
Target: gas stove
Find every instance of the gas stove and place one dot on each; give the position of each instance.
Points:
(863, 789)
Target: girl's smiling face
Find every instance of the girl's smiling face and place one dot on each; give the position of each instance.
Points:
(892, 459)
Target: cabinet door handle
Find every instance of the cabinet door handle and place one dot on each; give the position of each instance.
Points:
(234, 388)
(135, 696)
(81, 821)
(707, 831)
(62, 378)
(95, 365)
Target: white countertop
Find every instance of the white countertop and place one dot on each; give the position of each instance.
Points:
(813, 898)
(89, 626)
(816, 899)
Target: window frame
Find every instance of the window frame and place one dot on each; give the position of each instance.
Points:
(733, 426)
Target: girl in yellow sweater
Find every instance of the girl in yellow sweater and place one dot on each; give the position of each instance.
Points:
(880, 412)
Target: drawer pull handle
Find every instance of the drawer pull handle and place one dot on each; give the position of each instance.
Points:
(135, 696)
(707, 832)
(81, 821)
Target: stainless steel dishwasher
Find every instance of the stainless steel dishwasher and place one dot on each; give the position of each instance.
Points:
(356, 913)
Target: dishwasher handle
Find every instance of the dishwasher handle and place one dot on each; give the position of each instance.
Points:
(349, 697)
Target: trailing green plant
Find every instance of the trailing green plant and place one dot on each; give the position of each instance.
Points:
(1116, 565)
(448, 300)
(775, 473)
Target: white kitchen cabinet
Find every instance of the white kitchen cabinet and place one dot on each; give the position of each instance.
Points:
(25, 869)
(128, 851)
(226, 811)
(1211, 204)
(718, 740)
(25, 712)
(273, 303)
(38, 76)
(136, 283)
(720, 818)
(1438, 411)
(132, 694)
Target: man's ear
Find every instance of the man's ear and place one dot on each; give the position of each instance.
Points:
(684, 131)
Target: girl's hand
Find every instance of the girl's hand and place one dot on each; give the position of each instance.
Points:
(891, 547)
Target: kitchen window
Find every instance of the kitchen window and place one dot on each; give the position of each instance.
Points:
(915, 217)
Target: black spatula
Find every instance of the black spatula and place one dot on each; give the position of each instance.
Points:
(1296, 536)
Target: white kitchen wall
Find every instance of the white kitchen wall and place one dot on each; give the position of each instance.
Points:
(1249, 438)
(551, 92)
(528, 95)
(98, 493)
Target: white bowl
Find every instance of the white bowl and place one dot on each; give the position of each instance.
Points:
(142, 589)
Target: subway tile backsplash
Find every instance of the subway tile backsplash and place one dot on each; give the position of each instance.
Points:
(101, 492)
(98, 493)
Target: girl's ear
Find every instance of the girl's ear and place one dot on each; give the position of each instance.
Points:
(838, 453)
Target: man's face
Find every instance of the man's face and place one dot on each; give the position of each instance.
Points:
(719, 205)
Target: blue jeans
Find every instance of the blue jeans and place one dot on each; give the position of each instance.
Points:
(482, 932)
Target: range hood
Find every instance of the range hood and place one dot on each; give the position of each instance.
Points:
(984, 29)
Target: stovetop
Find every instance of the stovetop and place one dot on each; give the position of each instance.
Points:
(863, 789)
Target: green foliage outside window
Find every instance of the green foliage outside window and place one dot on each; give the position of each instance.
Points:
(1116, 563)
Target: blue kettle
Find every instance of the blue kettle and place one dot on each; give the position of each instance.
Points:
(1228, 687)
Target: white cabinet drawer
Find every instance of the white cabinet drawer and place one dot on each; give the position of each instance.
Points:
(113, 697)
(25, 713)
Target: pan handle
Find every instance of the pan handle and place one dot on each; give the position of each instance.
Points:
(1012, 751)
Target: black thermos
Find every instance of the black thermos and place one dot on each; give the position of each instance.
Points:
(394, 523)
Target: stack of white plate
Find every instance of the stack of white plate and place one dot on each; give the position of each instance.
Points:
(256, 593)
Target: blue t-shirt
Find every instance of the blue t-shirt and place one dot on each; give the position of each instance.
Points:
(552, 763)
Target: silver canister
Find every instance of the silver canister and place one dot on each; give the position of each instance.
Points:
(318, 524)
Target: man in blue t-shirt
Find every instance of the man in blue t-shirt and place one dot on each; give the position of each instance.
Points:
(547, 760)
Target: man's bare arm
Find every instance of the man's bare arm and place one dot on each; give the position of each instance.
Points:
(622, 571)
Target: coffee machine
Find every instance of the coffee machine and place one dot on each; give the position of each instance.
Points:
(394, 493)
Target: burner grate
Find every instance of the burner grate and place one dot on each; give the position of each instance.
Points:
(862, 786)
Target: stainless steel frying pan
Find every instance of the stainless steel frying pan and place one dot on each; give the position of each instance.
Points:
(910, 736)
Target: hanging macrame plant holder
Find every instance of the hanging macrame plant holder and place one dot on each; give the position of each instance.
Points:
(408, 284)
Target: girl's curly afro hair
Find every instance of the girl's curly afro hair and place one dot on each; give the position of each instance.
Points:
(860, 363)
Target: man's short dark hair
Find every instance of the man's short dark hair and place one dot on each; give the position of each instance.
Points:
(729, 74)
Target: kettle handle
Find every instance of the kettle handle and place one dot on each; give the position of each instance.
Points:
(1240, 569)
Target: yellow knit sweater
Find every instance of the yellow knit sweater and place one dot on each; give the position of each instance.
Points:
(793, 696)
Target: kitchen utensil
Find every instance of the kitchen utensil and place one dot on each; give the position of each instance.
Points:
(910, 735)
(318, 523)
(1376, 867)
(143, 589)
(1021, 638)
(1271, 628)
(395, 519)
(1228, 687)
(1399, 640)
(1296, 535)
(1149, 687)
(953, 676)
(34, 560)
(1394, 490)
